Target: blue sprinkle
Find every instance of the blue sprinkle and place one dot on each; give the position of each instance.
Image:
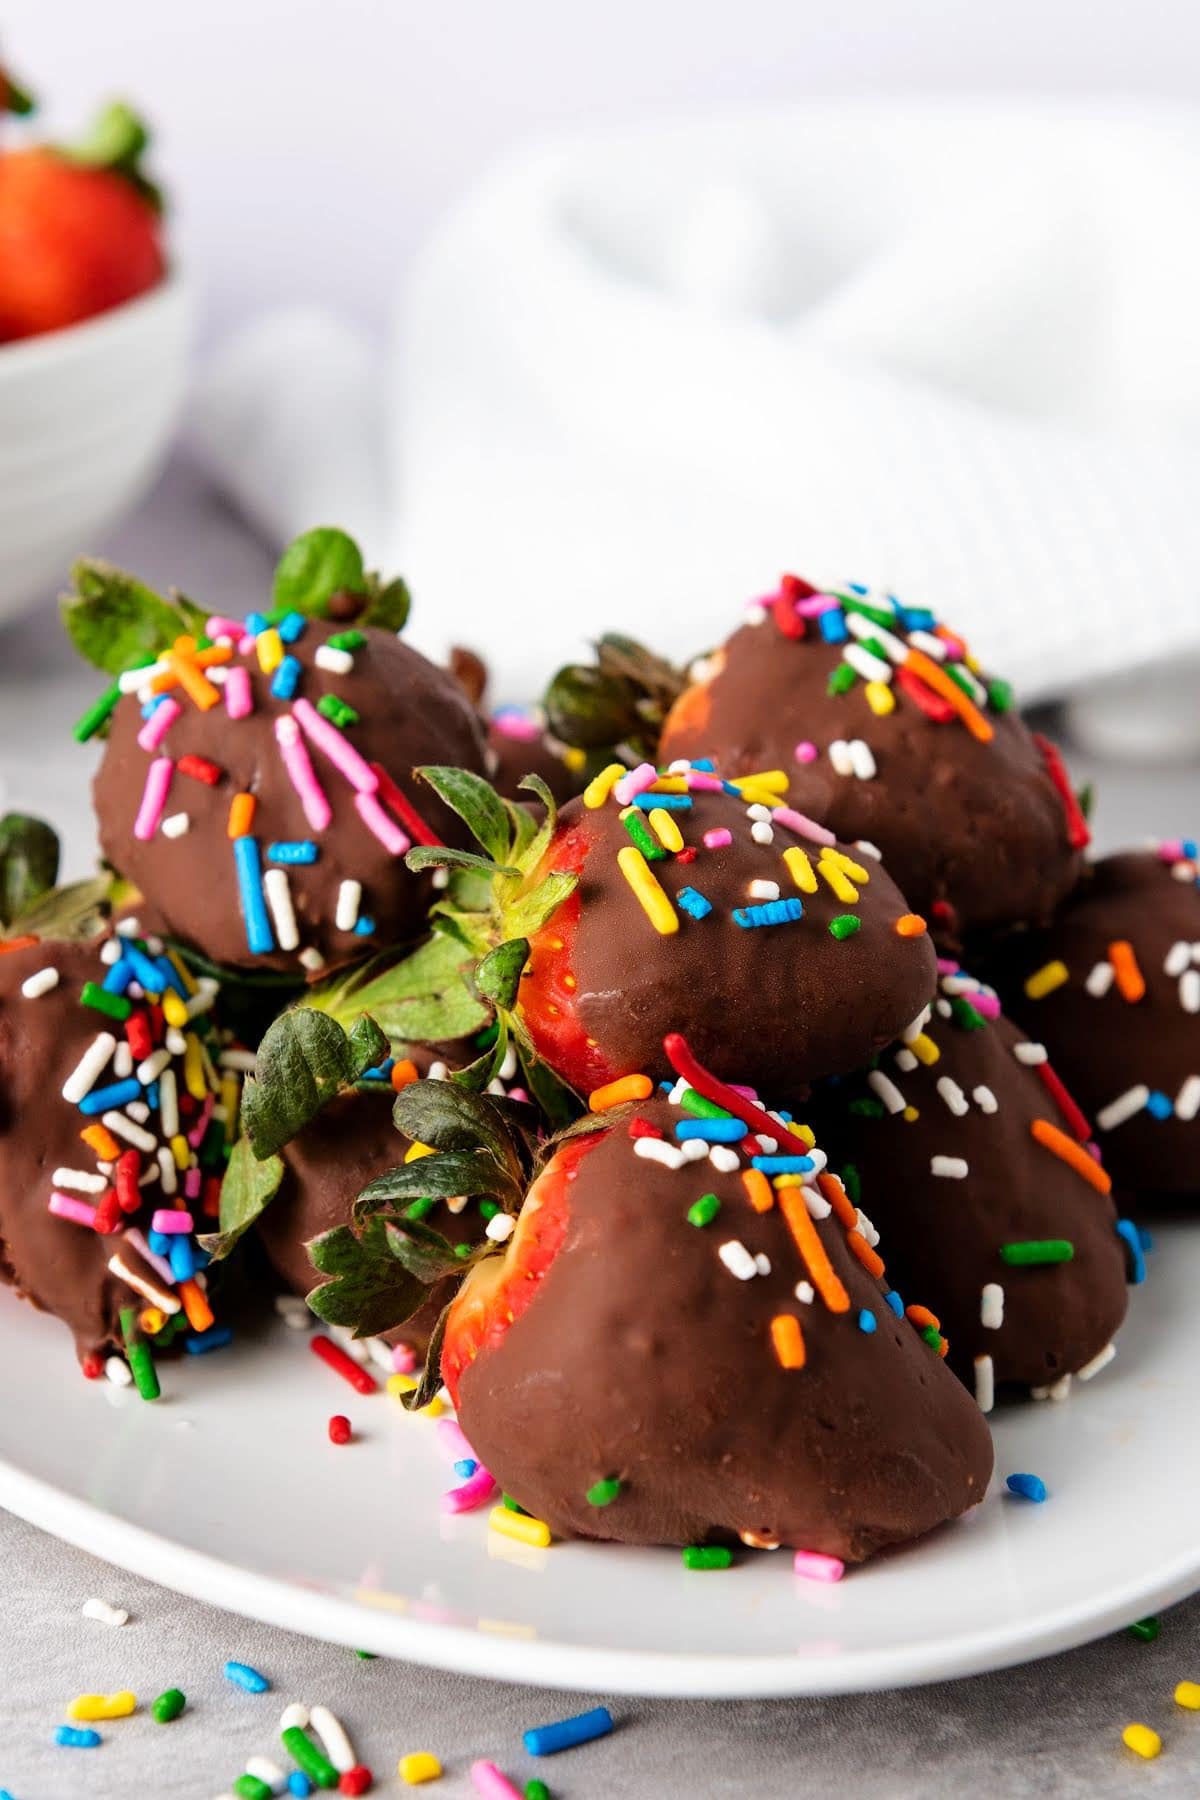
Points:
(866, 1320)
(145, 969)
(152, 1096)
(832, 625)
(713, 1131)
(782, 1165)
(303, 850)
(241, 1674)
(856, 587)
(1189, 848)
(118, 977)
(1029, 1487)
(286, 678)
(71, 1738)
(771, 912)
(546, 1740)
(159, 1241)
(152, 706)
(694, 903)
(259, 936)
(1160, 1106)
(1135, 1272)
(299, 1784)
(1145, 1238)
(466, 1468)
(705, 764)
(895, 1302)
(671, 802)
(256, 622)
(104, 1099)
(181, 1256)
(364, 925)
(199, 1343)
(291, 627)
(916, 618)
(202, 1257)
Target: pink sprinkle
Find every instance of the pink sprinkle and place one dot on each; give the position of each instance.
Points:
(946, 965)
(191, 1184)
(337, 747)
(718, 838)
(154, 798)
(158, 724)
(1171, 850)
(636, 782)
(1093, 1149)
(518, 1093)
(404, 1359)
(806, 751)
(453, 1440)
(195, 1136)
(802, 825)
(239, 696)
(377, 822)
(68, 1207)
(219, 626)
(955, 648)
(488, 1781)
(317, 809)
(517, 725)
(986, 1004)
(245, 642)
(813, 605)
(477, 1490)
(159, 1264)
(816, 1567)
(171, 1220)
(704, 783)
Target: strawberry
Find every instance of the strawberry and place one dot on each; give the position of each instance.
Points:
(80, 230)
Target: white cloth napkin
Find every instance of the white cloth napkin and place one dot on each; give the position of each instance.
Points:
(949, 350)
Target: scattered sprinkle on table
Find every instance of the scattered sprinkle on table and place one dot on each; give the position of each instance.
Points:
(1187, 1694)
(419, 1766)
(169, 1704)
(1144, 1630)
(1142, 1741)
(243, 1676)
(1027, 1487)
(707, 1556)
(565, 1734)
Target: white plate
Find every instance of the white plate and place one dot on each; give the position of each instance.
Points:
(229, 1490)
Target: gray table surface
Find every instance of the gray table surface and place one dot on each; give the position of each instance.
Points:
(1051, 1727)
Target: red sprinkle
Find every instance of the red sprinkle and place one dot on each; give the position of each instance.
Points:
(91, 1367)
(1076, 1121)
(796, 588)
(687, 855)
(211, 1205)
(129, 1167)
(643, 1128)
(696, 1075)
(158, 1024)
(339, 1429)
(403, 808)
(931, 704)
(356, 1780)
(137, 1035)
(200, 769)
(1078, 835)
(343, 1365)
(108, 1212)
(783, 610)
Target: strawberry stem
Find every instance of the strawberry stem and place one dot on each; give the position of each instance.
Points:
(13, 97)
(116, 141)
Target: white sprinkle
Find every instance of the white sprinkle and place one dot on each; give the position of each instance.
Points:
(657, 1150)
(80, 1181)
(152, 1068)
(149, 1173)
(278, 891)
(870, 667)
(932, 646)
(868, 848)
(953, 1168)
(336, 662)
(960, 984)
(268, 1772)
(767, 1146)
(762, 1263)
(764, 890)
(1124, 1107)
(128, 928)
(1029, 1053)
(985, 1384)
(1100, 1361)
(243, 1061)
(34, 986)
(156, 1296)
(312, 960)
(735, 1256)
(905, 1061)
(755, 615)
(508, 1067)
(984, 1099)
(678, 1091)
(839, 756)
(438, 1071)
(803, 1291)
(1178, 958)
(133, 679)
(693, 1149)
(175, 825)
(123, 1060)
(456, 1203)
(1056, 1390)
(953, 1095)
(887, 1091)
(166, 1169)
(110, 952)
(138, 1111)
(1099, 980)
(860, 626)
(918, 1025)
(945, 1010)
(866, 1227)
(102, 1612)
(122, 1127)
(380, 1354)
(762, 833)
(1189, 991)
(862, 763)
(117, 1370)
(175, 1041)
(1183, 871)
(201, 1001)
(680, 766)
(759, 813)
(500, 1227)
(724, 1159)
(89, 1068)
(332, 1734)
(349, 896)
(168, 1103)
(991, 1306)
(817, 1157)
(297, 1713)
(439, 878)
(355, 1347)
(293, 1312)
(818, 1206)
(1187, 1101)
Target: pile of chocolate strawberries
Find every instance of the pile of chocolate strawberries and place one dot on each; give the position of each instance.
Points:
(727, 1141)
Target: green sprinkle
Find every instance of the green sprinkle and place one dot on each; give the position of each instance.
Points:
(139, 1356)
(866, 1109)
(842, 680)
(489, 1208)
(875, 647)
(338, 712)
(366, 1656)
(463, 1251)
(249, 1787)
(962, 679)
(635, 828)
(603, 1493)
(1145, 1630)
(700, 1108)
(417, 1209)
(346, 640)
(1036, 1251)
(965, 1015)
(1000, 695)
(852, 1182)
(168, 1706)
(932, 1336)
(704, 1210)
(845, 925)
(302, 1750)
(113, 1006)
(877, 614)
(513, 1505)
(707, 1556)
(97, 715)
(536, 1790)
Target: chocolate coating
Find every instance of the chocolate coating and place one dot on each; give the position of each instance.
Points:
(943, 1235)
(409, 713)
(641, 1357)
(777, 1005)
(976, 826)
(1104, 1045)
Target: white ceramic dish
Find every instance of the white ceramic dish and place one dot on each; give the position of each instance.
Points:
(229, 1490)
(86, 415)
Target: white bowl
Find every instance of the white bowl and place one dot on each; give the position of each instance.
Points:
(86, 415)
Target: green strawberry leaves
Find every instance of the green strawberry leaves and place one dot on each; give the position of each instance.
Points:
(477, 804)
(247, 1189)
(117, 623)
(15, 98)
(304, 1060)
(498, 974)
(28, 863)
(622, 698)
(368, 1289)
(449, 1117)
(424, 998)
(327, 561)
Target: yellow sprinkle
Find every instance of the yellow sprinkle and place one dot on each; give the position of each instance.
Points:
(180, 1151)
(269, 647)
(102, 1706)
(152, 1321)
(669, 784)
(755, 795)
(880, 697)
(601, 786)
(973, 663)
(418, 1766)
(787, 1181)
(924, 1049)
(775, 779)
(574, 759)
(182, 970)
(847, 864)
(843, 889)
(1141, 1740)
(401, 1384)
(1043, 981)
(519, 1526)
(231, 1100)
(654, 902)
(911, 1114)
(1188, 1694)
(803, 1131)
(174, 1010)
(415, 1151)
(665, 829)
(615, 1093)
(193, 1067)
(800, 869)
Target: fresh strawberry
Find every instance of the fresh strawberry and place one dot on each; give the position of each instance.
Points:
(80, 230)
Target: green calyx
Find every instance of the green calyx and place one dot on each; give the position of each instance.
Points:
(15, 98)
(116, 141)
(620, 699)
(30, 903)
(322, 574)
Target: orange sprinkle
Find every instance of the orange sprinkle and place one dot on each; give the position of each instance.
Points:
(241, 815)
(910, 925)
(812, 1251)
(872, 1263)
(100, 1139)
(934, 676)
(1131, 983)
(199, 1313)
(787, 1337)
(404, 1073)
(759, 1191)
(616, 1093)
(182, 662)
(920, 1316)
(839, 1199)
(21, 943)
(944, 1347)
(1065, 1147)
